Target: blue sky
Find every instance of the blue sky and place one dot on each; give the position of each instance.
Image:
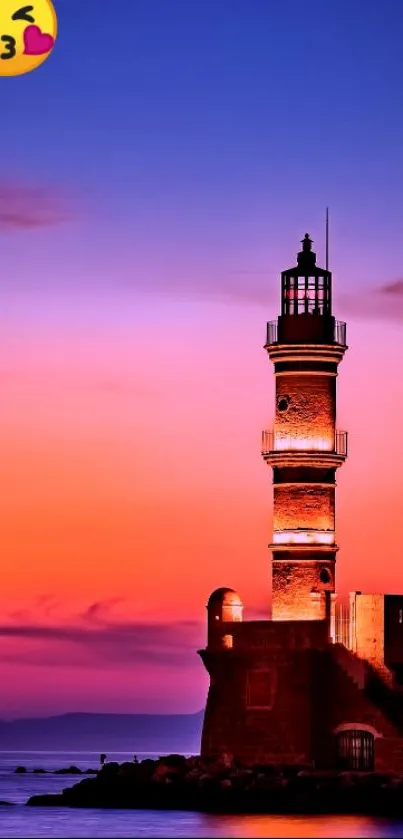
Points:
(220, 130)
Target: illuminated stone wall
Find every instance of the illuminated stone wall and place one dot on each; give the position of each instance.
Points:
(305, 407)
(304, 511)
(278, 695)
(367, 614)
(303, 506)
(368, 626)
(224, 606)
(297, 589)
(258, 707)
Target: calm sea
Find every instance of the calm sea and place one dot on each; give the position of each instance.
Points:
(21, 821)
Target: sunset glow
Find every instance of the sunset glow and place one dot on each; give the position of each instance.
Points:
(143, 238)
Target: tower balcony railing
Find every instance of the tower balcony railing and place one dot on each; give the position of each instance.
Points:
(272, 332)
(339, 333)
(305, 441)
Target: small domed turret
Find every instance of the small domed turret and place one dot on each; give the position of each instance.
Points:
(224, 606)
(226, 598)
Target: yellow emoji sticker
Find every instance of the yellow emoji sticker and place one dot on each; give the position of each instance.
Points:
(27, 35)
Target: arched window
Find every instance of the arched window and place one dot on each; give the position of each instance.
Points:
(228, 641)
(355, 750)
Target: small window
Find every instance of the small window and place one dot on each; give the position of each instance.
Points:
(400, 615)
(228, 641)
(355, 750)
(283, 404)
(324, 576)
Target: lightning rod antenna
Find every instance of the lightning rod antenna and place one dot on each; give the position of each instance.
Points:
(327, 238)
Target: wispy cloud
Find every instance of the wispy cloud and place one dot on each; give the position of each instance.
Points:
(384, 301)
(256, 287)
(96, 637)
(26, 206)
(392, 288)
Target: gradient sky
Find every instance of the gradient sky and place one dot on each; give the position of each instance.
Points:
(157, 174)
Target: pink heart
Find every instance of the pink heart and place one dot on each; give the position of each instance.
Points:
(37, 42)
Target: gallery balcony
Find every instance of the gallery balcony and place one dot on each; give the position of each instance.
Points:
(306, 329)
(306, 447)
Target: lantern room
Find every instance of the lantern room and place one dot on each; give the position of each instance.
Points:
(306, 289)
(306, 304)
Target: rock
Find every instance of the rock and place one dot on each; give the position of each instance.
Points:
(39, 772)
(193, 777)
(193, 763)
(128, 770)
(71, 770)
(225, 783)
(109, 769)
(173, 782)
(6, 804)
(178, 761)
(164, 771)
(46, 801)
(20, 770)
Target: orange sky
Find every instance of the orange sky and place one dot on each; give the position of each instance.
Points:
(143, 229)
(132, 479)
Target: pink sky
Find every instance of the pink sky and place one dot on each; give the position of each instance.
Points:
(133, 486)
(147, 207)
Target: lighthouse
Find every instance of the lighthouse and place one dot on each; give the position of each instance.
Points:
(304, 447)
(294, 689)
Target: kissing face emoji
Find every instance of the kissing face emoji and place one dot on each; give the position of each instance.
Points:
(27, 35)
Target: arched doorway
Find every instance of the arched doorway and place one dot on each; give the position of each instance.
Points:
(355, 750)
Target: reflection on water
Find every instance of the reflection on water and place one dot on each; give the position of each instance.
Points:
(146, 824)
(37, 823)
(310, 826)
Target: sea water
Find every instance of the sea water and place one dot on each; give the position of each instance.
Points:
(35, 822)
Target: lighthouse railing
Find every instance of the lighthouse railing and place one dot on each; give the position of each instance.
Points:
(272, 333)
(306, 440)
(339, 333)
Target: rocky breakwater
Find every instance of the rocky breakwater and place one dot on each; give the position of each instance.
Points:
(69, 770)
(179, 783)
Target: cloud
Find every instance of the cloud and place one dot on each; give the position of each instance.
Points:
(256, 287)
(24, 207)
(383, 302)
(97, 612)
(46, 603)
(96, 638)
(392, 288)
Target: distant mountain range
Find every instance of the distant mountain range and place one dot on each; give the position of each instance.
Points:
(134, 733)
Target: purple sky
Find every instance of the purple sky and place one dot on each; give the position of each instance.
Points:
(158, 173)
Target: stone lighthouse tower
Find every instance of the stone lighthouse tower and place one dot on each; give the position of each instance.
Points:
(304, 447)
(292, 690)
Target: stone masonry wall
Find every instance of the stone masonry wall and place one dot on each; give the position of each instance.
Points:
(389, 754)
(303, 506)
(311, 405)
(279, 695)
(279, 732)
(297, 589)
(368, 631)
(275, 723)
(339, 701)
